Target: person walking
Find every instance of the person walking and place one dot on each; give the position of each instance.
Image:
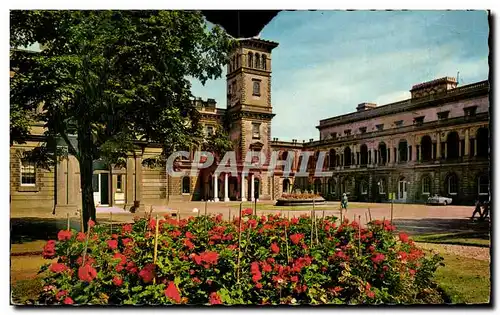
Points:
(477, 210)
(343, 202)
(486, 210)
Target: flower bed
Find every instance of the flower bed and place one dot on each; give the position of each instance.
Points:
(200, 260)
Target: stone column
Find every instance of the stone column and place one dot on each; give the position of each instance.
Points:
(388, 155)
(138, 179)
(252, 188)
(226, 187)
(216, 188)
(446, 150)
(459, 147)
(433, 154)
(467, 142)
(438, 146)
(408, 156)
(475, 147)
(129, 184)
(243, 198)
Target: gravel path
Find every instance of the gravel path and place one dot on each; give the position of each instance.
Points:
(480, 253)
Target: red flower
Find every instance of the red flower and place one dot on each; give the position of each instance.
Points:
(275, 248)
(147, 273)
(64, 235)
(58, 267)
(114, 236)
(127, 228)
(49, 250)
(123, 258)
(68, 301)
(256, 277)
(232, 246)
(113, 244)
(172, 292)
(189, 235)
(252, 223)
(412, 272)
(403, 237)
(378, 258)
(61, 294)
(209, 257)
(131, 267)
(152, 224)
(214, 298)
(91, 223)
(370, 294)
(294, 220)
(294, 278)
(295, 238)
(247, 211)
(188, 244)
(80, 237)
(258, 285)
(126, 241)
(197, 259)
(266, 267)
(118, 281)
(87, 273)
(196, 280)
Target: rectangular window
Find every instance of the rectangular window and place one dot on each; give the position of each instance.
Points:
(380, 127)
(256, 87)
(28, 173)
(419, 120)
(119, 183)
(409, 153)
(426, 186)
(462, 149)
(398, 123)
(470, 111)
(364, 188)
(347, 132)
(210, 130)
(333, 135)
(483, 185)
(362, 129)
(256, 131)
(443, 115)
(381, 187)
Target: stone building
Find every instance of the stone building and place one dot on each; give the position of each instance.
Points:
(436, 142)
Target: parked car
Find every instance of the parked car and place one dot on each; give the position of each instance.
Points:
(439, 200)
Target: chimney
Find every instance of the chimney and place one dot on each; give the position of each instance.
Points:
(211, 102)
(365, 106)
(433, 87)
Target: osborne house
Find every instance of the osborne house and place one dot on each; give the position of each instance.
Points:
(435, 142)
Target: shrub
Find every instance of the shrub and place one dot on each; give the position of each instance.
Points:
(200, 260)
(300, 196)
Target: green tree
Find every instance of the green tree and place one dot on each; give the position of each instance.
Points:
(112, 79)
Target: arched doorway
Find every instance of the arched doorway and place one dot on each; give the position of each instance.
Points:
(426, 148)
(483, 144)
(402, 189)
(452, 145)
(286, 186)
(382, 148)
(363, 154)
(347, 156)
(452, 184)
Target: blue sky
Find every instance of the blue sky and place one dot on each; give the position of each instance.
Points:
(327, 62)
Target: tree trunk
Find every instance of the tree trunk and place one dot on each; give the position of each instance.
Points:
(86, 172)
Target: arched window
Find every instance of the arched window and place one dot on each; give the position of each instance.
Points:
(257, 61)
(403, 151)
(264, 62)
(482, 137)
(347, 156)
(317, 186)
(364, 154)
(186, 185)
(426, 148)
(452, 145)
(363, 187)
(483, 185)
(426, 185)
(381, 186)
(286, 185)
(250, 60)
(382, 148)
(332, 157)
(452, 184)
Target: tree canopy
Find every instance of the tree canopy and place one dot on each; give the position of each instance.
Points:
(111, 79)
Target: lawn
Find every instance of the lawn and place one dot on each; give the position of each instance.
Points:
(475, 238)
(465, 280)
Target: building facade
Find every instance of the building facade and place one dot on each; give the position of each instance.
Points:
(436, 142)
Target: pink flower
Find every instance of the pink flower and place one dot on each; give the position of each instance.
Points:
(68, 301)
(246, 212)
(295, 238)
(91, 223)
(127, 228)
(378, 258)
(58, 267)
(80, 237)
(403, 237)
(49, 250)
(258, 285)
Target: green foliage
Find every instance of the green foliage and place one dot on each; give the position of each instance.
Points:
(202, 261)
